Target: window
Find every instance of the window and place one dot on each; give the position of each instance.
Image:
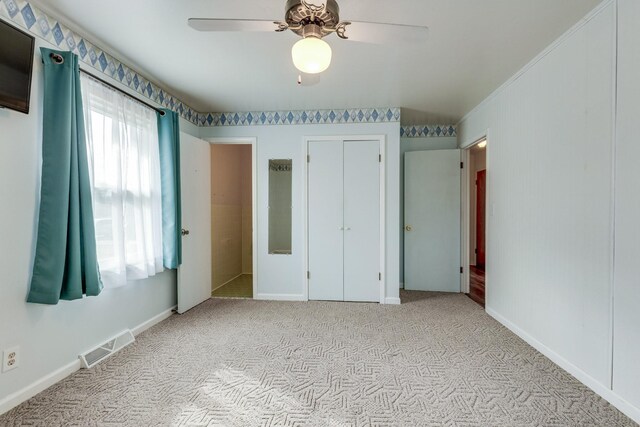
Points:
(124, 167)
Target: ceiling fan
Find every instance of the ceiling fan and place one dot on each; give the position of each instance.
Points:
(312, 22)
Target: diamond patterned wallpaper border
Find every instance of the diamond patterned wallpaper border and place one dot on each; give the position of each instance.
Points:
(358, 115)
(27, 16)
(427, 131)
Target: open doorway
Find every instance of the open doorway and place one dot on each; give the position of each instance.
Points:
(232, 220)
(476, 237)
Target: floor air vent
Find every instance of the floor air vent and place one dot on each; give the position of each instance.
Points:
(111, 347)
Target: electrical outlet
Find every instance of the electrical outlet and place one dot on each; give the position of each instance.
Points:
(10, 359)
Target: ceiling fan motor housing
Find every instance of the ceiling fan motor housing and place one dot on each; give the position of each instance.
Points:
(312, 21)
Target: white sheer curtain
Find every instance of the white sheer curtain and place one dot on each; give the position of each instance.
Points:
(124, 164)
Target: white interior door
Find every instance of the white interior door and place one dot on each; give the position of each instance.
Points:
(326, 221)
(362, 221)
(194, 275)
(432, 221)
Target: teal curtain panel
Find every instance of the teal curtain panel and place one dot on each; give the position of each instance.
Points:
(169, 139)
(65, 265)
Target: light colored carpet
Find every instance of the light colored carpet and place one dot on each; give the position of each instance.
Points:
(436, 360)
(240, 287)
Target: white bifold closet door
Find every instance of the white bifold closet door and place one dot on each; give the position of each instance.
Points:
(326, 221)
(362, 221)
(344, 221)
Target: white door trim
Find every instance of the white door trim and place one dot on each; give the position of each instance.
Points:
(465, 227)
(382, 139)
(465, 218)
(253, 141)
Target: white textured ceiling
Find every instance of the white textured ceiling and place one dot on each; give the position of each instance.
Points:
(474, 46)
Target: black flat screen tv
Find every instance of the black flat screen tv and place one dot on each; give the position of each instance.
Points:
(16, 65)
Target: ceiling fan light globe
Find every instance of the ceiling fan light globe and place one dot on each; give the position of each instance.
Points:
(311, 55)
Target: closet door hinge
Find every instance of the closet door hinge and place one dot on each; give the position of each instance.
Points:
(379, 158)
(308, 275)
(380, 277)
(461, 165)
(308, 158)
(461, 270)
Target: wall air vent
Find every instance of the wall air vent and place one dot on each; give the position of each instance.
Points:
(111, 347)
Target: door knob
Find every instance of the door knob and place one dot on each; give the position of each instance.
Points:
(185, 232)
(408, 228)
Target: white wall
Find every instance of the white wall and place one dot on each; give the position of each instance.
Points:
(282, 277)
(51, 337)
(626, 351)
(417, 144)
(549, 226)
(550, 245)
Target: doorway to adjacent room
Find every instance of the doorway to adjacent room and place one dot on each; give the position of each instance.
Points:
(232, 220)
(476, 203)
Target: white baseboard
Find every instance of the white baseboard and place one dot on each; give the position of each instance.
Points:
(279, 297)
(288, 297)
(58, 375)
(603, 391)
(153, 321)
(42, 384)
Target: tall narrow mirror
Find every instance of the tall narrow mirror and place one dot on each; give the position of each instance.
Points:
(280, 181)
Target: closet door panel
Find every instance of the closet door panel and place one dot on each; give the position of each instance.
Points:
(326, 221)
(362, 221)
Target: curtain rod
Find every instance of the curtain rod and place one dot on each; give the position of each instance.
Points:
(58, 59)
(162, 113)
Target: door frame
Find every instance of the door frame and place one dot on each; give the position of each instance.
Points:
(465, 227)
(253, 141)
(480, 200)
(382, 140)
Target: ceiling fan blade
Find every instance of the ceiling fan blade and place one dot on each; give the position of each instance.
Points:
(202, 24)
(379, 33)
